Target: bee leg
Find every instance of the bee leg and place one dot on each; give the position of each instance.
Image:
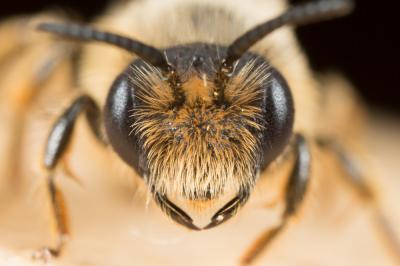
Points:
(295, 191)
(60, 215)
(57, 143)
(357, 181)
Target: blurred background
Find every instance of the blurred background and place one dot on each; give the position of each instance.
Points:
(363, 46)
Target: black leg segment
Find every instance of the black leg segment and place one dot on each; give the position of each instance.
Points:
(295, 190)
(57, 142)
(61, 132)
(299, 178)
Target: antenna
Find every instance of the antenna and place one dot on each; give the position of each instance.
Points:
(85, 33)
(299, 15)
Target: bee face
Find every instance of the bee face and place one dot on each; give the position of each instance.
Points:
(199, 122)
(189, 144)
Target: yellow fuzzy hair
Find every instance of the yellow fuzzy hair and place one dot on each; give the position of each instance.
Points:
(199, 150)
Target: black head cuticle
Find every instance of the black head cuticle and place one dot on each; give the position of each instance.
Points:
(197, 61)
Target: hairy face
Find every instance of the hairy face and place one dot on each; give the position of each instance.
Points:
(196, 135)
(199, 150)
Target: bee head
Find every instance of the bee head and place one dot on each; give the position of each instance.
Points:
(199, 122)
(187, 141)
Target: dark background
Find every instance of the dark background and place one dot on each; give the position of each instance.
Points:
(365, 46)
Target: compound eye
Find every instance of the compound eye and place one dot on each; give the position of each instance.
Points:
(118, 120)
(278, 114)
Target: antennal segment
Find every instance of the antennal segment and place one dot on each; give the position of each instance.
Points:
(298, 15)
(146, 52)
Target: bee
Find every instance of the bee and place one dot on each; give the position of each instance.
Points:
(204, 107)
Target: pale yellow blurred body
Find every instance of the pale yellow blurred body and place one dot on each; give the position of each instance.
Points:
(114, 221)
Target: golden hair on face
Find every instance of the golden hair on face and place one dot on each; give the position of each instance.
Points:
(200, 151)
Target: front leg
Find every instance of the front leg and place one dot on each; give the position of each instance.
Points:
(57, 143)
(295, 191)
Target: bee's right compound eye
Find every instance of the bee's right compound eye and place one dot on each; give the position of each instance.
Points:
(118, 122)
(278, 114)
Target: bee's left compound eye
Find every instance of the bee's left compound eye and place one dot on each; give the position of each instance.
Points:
(117, 115)
(278, 114)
